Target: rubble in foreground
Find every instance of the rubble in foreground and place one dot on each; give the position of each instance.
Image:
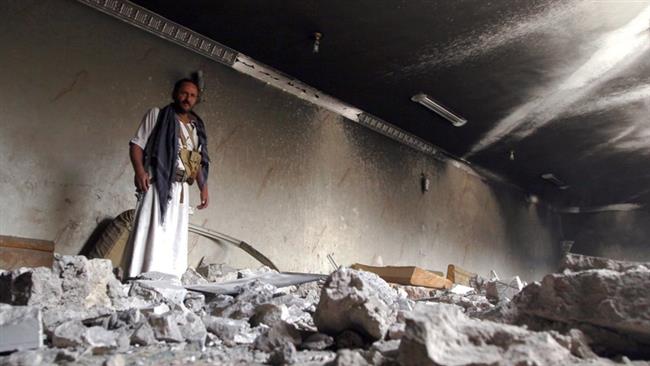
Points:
(85, 316)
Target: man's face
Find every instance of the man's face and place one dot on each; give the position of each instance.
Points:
(186, 96)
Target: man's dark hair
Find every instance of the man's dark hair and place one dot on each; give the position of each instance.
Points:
(180, 83)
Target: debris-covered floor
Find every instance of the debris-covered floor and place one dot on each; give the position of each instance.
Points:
(594, 311)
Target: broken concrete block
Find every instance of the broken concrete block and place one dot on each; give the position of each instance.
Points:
(268, 314)
(158, 291)
(250, 296)
(309, 291)
(23, 358)
(388, 349)
(395, 331)
(156, 310)
(126, 318)
(192, 277)
(159, 276)
(143, 335)
(84, 281)
(115, 360)
(472, 305)
(615, 301)
(99, 340)
(249, 272)
(195, 301)
(230, 331)
(355, 300)
(20, 328)
(192, 328)
(55, 316)
(35, 286)
(165, 328)
(577, 262)
(283, 354)
(317, 342)
(276, 336)
(69, 334)
(217, 272)
(440, 334)
(414, 292)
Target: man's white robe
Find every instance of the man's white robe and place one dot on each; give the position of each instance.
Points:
(157, 245)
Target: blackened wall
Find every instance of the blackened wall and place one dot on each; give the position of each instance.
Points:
(296, 181)
(614, 234)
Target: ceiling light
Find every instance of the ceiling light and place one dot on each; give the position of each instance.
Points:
(553, 179)
(445, 113)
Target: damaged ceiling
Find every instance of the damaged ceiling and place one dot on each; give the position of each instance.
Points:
(548, 87)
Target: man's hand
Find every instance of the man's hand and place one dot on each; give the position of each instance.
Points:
(141, 178)
(204, 198)
(142, 181)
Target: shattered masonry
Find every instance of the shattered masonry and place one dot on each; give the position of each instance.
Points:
(78, 312)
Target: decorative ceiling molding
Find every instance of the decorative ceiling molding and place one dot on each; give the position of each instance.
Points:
(164, 28)
(396, 133)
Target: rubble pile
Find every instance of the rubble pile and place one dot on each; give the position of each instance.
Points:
(78, 312)
(608, 300)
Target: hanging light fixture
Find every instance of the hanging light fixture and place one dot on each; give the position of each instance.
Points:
(442, 111)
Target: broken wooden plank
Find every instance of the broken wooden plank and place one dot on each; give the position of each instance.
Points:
(407, 275)
(16, 252)
(458, 275)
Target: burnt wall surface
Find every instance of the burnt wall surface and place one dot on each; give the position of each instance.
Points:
(620, 235)
(295, 181)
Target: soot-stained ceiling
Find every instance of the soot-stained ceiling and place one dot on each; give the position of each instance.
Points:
(563, 87)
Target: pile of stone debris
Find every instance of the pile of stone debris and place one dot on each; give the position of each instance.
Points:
(78, 312)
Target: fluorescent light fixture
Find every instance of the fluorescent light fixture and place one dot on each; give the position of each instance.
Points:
(550, 177)
(445, 113)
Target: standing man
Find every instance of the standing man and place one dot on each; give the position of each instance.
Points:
(168, 153)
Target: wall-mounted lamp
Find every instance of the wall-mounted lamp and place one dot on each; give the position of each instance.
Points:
(441, 110)
(511, 155)
(200, 80)
(317, 37)
(425, 183)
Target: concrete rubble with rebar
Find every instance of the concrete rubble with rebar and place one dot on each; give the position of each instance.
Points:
(594, 311)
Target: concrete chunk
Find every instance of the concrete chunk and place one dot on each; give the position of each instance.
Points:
(35, 286)
(69, 334)
(85, 282)
(595, 300)
(356, 300)
(230, 331)
(159, 291)
(577, 262)
(440, 334)
(165, 328)
(20, 328)
(143, 335)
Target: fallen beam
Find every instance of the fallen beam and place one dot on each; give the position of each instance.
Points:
(282, 279)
